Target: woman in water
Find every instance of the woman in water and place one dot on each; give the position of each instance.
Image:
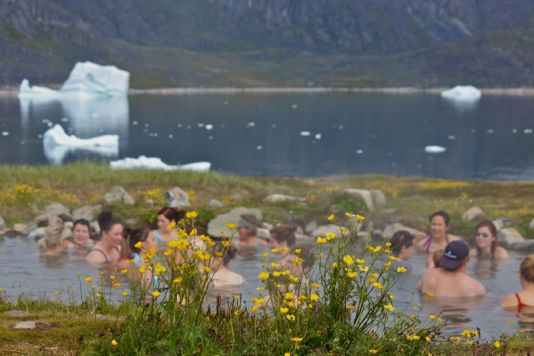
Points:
(107, 250)
(141, 242)
(486, 245)
(166, 216)
(222, 275)
(439, 236)
(247, 229)
(81, 241)
(525, 298)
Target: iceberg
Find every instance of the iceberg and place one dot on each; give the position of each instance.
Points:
(462, 96)
(57, 145)
(86, 80)
(143, 162)
(435, 149)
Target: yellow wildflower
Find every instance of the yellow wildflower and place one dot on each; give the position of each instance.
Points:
(156, 294)
(171, 225)
(363, 268)
(112, 277)
(466, 333)
(348, 260)
(428, 339)
(226, 243)
(315, 285)
(391, 297)
(412, 337)
(429, 294)
(352, 274)
(124, 270)
(115, 284)
(387, 266)
(296, 339)
(290, 317)
(275, 265)
(321, 241)
(88, 279)
(331, 217)
(124, 293)
(289, 296)
(287, 354)
(139, 244)
(373, 351)
(114, 343)
(206, 269)
(387, 244)
(191, 214)
(497, 344)
(360, 218)
(231, 226)
(284, 310)
(263, 275)
(330, 236)
(431, 317)
(265, 255)
(378, 285)
(401, 269)
(177, 280)
(393, 258)
(389, 307)
(297, 251)
(314, 297)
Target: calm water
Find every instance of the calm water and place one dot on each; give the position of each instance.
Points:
(288, 134)
(23, 271)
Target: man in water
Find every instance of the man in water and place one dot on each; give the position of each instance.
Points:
(449, 279)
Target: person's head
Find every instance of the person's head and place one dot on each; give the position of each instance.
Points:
(486, 237)
(247, 225)
(437, 256)
(402, 244)
(526, 270)
(439, 224)
(223, 254)
(111, 229)
(283, 235)
(455, 256)
(308, 257)
(81, 232)
(168, 214)
(54, 234)
(143, 235)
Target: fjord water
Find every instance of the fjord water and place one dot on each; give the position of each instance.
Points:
(288, 134)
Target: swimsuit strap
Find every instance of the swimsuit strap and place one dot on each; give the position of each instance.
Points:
(99, 250)
(520, 304)
(158, 237)
(427, 243)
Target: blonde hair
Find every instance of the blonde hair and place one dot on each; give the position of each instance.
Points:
(55, 234)
(527, 268)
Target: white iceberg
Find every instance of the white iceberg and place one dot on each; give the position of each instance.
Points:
(85, 80)
(143, 162)
(462, 96)
(435, 149)
(57, 145)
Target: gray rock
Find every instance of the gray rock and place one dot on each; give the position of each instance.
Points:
(472, 214)
(501, 223)
(281, 198)
(526, 246)
(29, 228)
(95, 227)
(2, 226)
(87, 212)
(509, 236)
(69, 224)
(379, 198)
(18, 229)
(266, 225)
(17, 313)
(216, 227)
(302, 238)
(530, 226)
(365, 235)
(37, 234)
(58, 209)
(393, 228)
(324, 229)
(177, 198)
(214, 203)
(25, 325)
(312, 225)
(364, 194)
(41, 220)
(263, 233)
(118, 193)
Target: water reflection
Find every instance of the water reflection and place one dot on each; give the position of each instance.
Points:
(85, 118)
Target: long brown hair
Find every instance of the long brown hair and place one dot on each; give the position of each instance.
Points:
(493, 230)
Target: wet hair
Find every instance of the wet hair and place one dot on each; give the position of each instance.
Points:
(133, 236)
(527, 268)
(228, 253)
(437, 256)
(284, 233)
(400, 239)
(82, 222)
(53, 233)
(493, 230)
(106, 221)
(443, 214)
(250, 222)
(172, 214)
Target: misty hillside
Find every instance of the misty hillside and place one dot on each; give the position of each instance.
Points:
(265, 42)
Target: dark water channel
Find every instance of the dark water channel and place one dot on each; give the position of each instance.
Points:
(288, 134)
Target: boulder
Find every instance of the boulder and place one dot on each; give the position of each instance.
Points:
(509, 236)
(87, 212)
(530, 226)
(37, 234)
(29, 228)
(2, 226)
(26, 325)
(95, 229)
(312, 225)
(324, 229)
(58, 209)
(18, 229)
(177, 198)
(501, 223)
(302, 238)
(263, 234)
(214, 203)
(216, 227)
(41, 220)
(379, 198)
(526, 246)
(118, 193)
(393, 228)
(281, 198)
(364, 194)
(473, 213)
(266, 225)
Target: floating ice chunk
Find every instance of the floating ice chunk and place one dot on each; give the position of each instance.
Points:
(435, 149)
(359, 151)
(171, 135)
(490, 131)
(209, 127)
(318, 136)
(85, 80)
(200, 124)
(57, 136)
(251, 124)
(156, 163)
(451, 137)
(259, 147)
(294, 106)
(305, 133)
(5, 133)
(462, 97)
(527, 131)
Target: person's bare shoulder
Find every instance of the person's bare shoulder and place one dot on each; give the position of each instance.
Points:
(501, 253)
(509, 302)
(95, 258)
(454, 237)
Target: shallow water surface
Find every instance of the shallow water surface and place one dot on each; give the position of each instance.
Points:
(23, 271)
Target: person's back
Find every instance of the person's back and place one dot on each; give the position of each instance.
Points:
(450, 279)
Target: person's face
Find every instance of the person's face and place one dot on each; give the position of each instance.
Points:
(163, 223)
(406, 252)
(150, 241)
(483, 237)
(80, 234)
(243, 231)
(275, 244)
(438, 228)
(114, 235)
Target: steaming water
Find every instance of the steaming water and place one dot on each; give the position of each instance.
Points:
(23, 271)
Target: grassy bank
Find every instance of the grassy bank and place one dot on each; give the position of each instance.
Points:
(25, 190)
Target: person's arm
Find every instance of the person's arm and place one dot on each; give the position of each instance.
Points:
(501, 253)
(509, 302)
(95, 258)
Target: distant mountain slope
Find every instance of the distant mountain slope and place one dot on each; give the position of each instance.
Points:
(266, 42)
